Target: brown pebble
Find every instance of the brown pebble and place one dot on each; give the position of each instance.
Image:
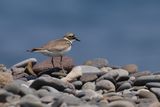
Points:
(131, 68)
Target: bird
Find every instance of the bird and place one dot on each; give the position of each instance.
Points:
(57, 48)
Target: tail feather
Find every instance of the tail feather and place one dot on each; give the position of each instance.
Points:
(34, 50)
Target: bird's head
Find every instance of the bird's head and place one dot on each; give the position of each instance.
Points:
(71, 37)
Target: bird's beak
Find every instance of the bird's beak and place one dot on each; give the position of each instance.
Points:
(77, 40)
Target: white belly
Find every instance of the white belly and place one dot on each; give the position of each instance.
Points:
(55, 53)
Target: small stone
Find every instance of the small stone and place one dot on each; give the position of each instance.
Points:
(50, 89)
(124, 86)
(41, 93)
(155, 104)
(106, 69)
(47, 99)
(121, 103)
(4, 94)
(153, 84)
(30, 101)
(98, 62)
(88, 77)
(75, 73)
(143, 93)
(156, 91)
(88, 95)
(24, 63)
(77, 84)
(146, 79)
(106, 85)
(122, 78)
(45, 65)
(5, 78)
(139, 74)
(131, 68)
(50, 81)
(89, 85)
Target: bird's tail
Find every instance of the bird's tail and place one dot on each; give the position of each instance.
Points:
(34, 50)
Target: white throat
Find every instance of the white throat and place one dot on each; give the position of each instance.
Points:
(71, 41)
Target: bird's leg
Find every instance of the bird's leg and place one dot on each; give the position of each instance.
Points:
(52, 61)
(61, 64)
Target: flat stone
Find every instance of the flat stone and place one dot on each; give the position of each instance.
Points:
(143, 93)
(5, 78)
(98, 62)
(88, 77)
(30, 101)
(153, 84)
(24, 63)
(122, 78)
(89, 85)
(121, 103)
(46, 64)
(108, 77)
(131, 68)
(156, 91)
(106, 85)
(50, 81)
(124, 86)
(75, 73)
(142, 73)
(146, 79)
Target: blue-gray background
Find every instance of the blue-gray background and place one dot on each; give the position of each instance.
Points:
(123, 31)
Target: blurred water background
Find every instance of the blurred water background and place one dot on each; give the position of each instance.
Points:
(123, 31)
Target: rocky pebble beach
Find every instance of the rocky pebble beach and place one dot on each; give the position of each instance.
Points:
(95, 83)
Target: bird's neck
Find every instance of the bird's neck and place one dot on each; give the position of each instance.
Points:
(70, 41)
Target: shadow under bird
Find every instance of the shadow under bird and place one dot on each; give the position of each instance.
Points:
(57, 48)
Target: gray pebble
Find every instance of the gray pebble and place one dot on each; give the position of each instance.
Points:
(106, 85)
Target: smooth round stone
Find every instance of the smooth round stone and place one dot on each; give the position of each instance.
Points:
(41, 93)
(114, 98)
(124, 86)
(50, 81)
(30, 101)
(50, 89)
(24, 63)
(155, 104)
(89, 85)
(121, 103)
(153, 84)
(88, 77)
(77, 84)
(4, 94)
(88, 95)
(107, 77)
(98, 62)
(70, 100)
(146, 79)
(144, 93)
(106, 85)
(122, 78)
(131, 68)
(5, 78)
(156, 91)
(47, 99)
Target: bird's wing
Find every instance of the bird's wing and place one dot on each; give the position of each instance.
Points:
(56, 45)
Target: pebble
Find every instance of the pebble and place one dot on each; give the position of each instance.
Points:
(131, 68)
(5, 78)
(156, 91)
(77, 84)
(120, 103)
(153, 84)
(98, 62)
(124, 86)
(50, 81)
(88, 77)
(30, 101)
(106, 85)
(89, 85)
(146, 79)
